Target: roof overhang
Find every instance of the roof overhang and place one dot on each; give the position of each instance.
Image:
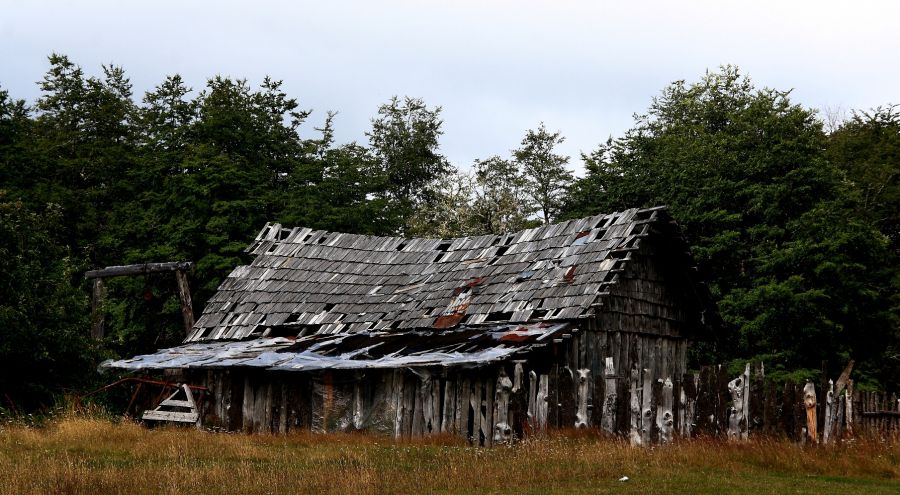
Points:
(464, 347)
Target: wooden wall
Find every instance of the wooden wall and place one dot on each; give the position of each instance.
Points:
(582, 379)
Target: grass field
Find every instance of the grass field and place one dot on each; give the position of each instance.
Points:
(94, 456)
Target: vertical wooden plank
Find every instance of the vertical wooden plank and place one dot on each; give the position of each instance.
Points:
(756, 399)
(518, 402)
(635, 435)
(184, 295)
(553, 416)
(487, 423)
(646, 394)
(737, 415)
(532, 400)
(283, 409)
(583, 385)
(652, 423)
(785, 419)
(827, 430)
(665, 418)
(475, 404)
(567, 400)
(461, 419)
(502, 431)
(247, 406)
(448, 406)
(688, 408)
(542, 402)
(608, 417)
(809, 401)
(98, 295)
(624, 368)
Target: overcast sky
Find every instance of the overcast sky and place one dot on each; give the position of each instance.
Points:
(497, 68)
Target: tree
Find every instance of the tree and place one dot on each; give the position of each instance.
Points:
(404, 139)
(867, 148)
(84, 145)
(500, 204)
(798, 278)
(545, 173)
(43, 315)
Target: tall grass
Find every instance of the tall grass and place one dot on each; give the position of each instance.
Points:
(82, 455)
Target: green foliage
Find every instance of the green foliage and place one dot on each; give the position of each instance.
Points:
(546, 178)
(404, 140)
(795, 230)
(867, 149)
(500, 204)
(43, 314)
(797, 274)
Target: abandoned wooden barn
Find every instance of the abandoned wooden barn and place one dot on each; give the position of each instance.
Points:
(488, 337)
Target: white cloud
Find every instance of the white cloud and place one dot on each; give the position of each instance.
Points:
(497, 68)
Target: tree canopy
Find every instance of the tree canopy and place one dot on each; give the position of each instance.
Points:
(794, 229)
(799, 274)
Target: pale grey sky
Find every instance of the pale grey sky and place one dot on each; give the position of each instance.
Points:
(496, 67)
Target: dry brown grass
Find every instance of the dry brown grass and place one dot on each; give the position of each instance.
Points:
(92, 456)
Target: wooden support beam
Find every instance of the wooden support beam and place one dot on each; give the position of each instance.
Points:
(184, 294)
(97, 295)
(139, 269)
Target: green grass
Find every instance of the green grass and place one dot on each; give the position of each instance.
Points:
(92, 456)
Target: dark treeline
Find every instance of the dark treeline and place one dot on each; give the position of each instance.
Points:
(794, 228)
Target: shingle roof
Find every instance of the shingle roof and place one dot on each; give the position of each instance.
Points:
(330, 283)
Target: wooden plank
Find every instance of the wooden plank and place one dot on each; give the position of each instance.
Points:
(475, 405)
(688, 408)
(98, 294)
(487, 423)
(737, 416)
(646, 420)
(809, 401)
(179, 417)
(542, 402)
(635, 436)
(184, 295)
(756, 399)
(553, 416)
(567, 398)
(139, 269)
(608, 416)
(665, 419)
(503, 431)
(827, 431)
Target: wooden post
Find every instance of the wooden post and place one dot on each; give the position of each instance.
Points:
(608, 421)
(737, 416)
(542, 402)
(635, 434)
(502, 428)
(849, 407)
(688, 398)
(184, 293)
(97, 296)
(664, 416)
(532, 399)
(829, 413)
(646, 410)
(809, 401)
(582, 387)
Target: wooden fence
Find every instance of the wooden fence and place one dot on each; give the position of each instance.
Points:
(716, 404)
